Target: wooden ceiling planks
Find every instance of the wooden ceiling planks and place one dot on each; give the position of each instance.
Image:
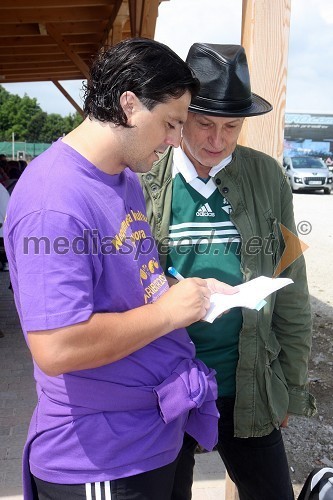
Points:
(51, 40)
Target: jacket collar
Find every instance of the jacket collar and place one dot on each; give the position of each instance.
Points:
(184, 165)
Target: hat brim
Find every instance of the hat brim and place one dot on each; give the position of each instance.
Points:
(258, 107)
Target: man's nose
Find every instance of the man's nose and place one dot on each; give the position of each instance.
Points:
(216, 139)
(174, 138)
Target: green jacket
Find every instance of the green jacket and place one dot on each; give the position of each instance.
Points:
(274, 343)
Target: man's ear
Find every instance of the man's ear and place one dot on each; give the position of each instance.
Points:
(128, 101)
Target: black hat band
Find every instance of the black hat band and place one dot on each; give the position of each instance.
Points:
(214, 104)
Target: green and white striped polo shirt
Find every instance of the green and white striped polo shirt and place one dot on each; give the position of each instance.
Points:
(204, 242)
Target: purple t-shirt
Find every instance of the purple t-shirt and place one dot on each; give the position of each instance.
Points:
(79, 243)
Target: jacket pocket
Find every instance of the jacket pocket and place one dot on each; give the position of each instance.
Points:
(276, 385)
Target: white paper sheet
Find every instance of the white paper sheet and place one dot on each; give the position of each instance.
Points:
(251, 295)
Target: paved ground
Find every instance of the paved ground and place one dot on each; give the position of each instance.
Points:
(17, 400)
(17, 393)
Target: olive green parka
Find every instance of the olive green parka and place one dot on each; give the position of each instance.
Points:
(274, 343)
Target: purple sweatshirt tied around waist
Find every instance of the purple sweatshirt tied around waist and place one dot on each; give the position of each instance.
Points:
(191, 388)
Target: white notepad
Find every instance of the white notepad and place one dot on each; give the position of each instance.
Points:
(251, 295)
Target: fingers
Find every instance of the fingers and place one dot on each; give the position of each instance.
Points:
(206, 304)
(187, 301)
(284, 423)
(202, 293)
(197, 284)
(220, 287)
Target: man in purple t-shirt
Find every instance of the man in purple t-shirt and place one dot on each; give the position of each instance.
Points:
(117, 381)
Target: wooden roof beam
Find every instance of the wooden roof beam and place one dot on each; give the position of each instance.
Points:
(70, 28)
(68, 97)
(50, 49)
(38, 78)
(42, 29)
(73, 56)
(46, 71)
(107, 39)
(34, 4)
(135, 12)
(149, 17)
(143, 15)
(29, 41)
(56, 15)
(116, 33)
(27, 65)
(12, 61)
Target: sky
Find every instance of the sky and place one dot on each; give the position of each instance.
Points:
(183, 22)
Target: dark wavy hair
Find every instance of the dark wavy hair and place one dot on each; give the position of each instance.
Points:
(151, 70)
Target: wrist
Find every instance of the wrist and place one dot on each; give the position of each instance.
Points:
(165, 318)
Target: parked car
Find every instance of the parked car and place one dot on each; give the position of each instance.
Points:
(308, 173)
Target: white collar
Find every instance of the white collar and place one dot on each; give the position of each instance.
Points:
(182, 164)
(213, 171)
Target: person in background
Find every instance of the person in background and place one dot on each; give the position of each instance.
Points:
(22, 165)
(3, 174)
(13, 169)
(117, 381)
(220, 209)
(4, 199)
(14, 172)
(329, 163)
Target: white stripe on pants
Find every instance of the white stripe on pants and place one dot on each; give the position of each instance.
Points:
(98, 491)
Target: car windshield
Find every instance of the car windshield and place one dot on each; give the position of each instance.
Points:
(307, 163)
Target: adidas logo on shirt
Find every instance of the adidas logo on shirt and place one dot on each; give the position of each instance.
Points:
(205, 211)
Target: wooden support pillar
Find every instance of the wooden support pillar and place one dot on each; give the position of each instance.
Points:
(265, 37)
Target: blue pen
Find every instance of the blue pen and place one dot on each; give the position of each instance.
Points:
(175, 273)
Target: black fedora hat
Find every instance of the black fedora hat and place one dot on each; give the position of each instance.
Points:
(225, 88)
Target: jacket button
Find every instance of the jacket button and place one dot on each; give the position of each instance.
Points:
(225, 190)
(149, 177)
(154, 188)
(218, 181)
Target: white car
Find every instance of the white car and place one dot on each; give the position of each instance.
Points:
(308, 173)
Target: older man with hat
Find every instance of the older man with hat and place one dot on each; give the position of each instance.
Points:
(219, 209)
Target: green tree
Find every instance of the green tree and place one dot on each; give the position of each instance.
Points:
(27, 109)
(72, 121)
(8, 107)
(77, 119)
(35, 127)
(53, 128)
(24, 117)
(15, 115)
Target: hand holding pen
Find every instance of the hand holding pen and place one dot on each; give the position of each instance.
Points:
(186, 302)
(213, 284)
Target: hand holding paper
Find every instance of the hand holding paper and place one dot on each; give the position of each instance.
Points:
(251, 295)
